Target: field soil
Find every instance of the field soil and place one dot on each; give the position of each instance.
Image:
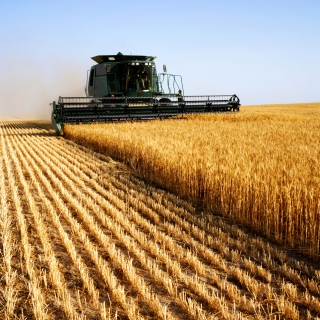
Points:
(83, 237)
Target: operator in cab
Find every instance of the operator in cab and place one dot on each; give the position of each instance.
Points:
(143, 78)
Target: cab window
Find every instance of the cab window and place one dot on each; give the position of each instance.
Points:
(91, 78)
(138, 77)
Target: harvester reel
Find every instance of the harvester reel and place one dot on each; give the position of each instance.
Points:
(110, 109)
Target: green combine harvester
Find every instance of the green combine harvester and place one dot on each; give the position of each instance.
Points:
(127, 88)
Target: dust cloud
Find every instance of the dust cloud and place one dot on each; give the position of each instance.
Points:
(27, 87)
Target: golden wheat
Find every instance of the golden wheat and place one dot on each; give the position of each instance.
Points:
(260, 167)
(103, 244)
(8, 246)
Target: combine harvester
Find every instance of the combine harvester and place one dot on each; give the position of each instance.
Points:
(127, 87)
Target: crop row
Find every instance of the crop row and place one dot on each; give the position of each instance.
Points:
(83, 237)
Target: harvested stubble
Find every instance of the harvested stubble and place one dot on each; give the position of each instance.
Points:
(259, 167)
(82, 237)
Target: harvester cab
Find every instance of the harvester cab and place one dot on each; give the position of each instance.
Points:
(128, 75)
(127, 87)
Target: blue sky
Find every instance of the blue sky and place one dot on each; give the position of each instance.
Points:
(264, 51)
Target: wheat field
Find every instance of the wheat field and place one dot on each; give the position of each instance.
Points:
(259, 167)
(83, 237)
